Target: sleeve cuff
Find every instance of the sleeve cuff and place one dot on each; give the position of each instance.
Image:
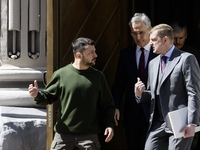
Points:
(137, 99)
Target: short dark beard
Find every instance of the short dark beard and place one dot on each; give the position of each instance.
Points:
(91, 64)
(88, 63)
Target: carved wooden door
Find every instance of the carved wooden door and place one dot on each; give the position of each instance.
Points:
(104, 21)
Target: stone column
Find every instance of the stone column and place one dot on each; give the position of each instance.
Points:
(22, 60)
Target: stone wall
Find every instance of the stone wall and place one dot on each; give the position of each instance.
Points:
(22, 60)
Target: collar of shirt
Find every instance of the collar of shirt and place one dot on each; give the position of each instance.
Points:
(146, 48)
(168, 54)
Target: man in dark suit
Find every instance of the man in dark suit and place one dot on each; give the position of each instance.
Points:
(133, 62)
(173, 83)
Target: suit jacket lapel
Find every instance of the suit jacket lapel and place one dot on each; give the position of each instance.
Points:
(174, 59)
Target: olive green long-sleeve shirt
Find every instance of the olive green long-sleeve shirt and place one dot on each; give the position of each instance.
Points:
(84, 100)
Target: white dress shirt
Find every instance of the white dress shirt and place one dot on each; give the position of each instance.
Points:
(147, 49)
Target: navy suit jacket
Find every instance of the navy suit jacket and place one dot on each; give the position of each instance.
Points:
(125, 79)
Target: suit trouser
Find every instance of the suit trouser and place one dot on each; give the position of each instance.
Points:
(136, 133)
(158, 139)
(75, 142)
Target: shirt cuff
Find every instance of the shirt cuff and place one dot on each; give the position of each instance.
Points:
(137, 99)
(193, 124)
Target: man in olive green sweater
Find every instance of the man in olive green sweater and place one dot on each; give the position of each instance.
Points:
(84, 97)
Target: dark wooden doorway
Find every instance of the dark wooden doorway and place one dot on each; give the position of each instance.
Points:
(106, 22)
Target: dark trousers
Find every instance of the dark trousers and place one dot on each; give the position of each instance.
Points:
(136, 133)
(75, 142)
(196, 142)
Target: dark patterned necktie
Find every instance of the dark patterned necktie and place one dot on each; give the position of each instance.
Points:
(164, 58)
(142, 63)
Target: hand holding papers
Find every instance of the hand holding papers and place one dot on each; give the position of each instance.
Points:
(178, 120)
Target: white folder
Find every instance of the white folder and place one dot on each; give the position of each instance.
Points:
(178, 120)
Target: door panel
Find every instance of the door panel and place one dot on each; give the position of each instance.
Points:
(101, 20)
(98, 20)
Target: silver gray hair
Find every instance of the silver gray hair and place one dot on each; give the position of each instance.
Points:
(140, 17)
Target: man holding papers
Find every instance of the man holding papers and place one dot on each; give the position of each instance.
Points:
(173, 83)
